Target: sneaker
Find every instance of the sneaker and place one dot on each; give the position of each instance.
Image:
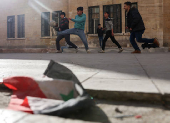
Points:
(120, 50)
(102, 51)
(137, 51)
(87, 51)
(58, 51)
(156, 42)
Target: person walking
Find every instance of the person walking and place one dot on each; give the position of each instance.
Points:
(109, 33)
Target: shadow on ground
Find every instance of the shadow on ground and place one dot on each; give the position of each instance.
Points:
(94, 114)
(156, 63)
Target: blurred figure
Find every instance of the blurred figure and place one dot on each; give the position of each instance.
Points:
(100, 32)
(64, 24)
(78, 29)
(136, 26)
(109, 33)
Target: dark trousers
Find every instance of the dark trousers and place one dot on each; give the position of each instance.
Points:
(101, 41)
(138, 36)
(67, 37)
(75, 31)
(109, 35)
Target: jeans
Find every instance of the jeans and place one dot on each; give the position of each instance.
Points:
(108, 34)
(78, 32)
(138, 36)
(101, 40)
(67, 37)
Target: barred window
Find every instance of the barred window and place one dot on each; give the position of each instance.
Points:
(133, 5)
(21, 26)
(45, 27)
(11, 27)
(94, 19)
(115, 15)
(56, 17)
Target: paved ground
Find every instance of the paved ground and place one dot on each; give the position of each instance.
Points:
(146, 73)
(104, 112)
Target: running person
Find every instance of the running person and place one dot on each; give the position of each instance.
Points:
(109, 33)
(136, 26)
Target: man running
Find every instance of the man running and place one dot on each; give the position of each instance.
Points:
(64, 24)
(78, 29)
(109, 33)
(136, 26)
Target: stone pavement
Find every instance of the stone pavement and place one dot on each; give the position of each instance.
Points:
(111, 75)
(125, 76)
(9, 116)
(104, 112)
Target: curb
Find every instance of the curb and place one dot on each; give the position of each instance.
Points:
(52, 50)
(155, 98)
(126, 50)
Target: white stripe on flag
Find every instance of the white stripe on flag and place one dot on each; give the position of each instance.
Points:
(53, 89)
(39, 104)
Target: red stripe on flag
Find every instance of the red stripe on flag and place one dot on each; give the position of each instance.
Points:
(22, 87)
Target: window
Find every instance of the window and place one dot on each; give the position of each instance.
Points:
(93, 19)
(115, 15)
(11, 27)
(56, 18)
(45, 27)
(21, 26)
(133, 5)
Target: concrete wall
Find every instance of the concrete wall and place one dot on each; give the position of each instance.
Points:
(156, 23)
(166, 23)
(32, 11)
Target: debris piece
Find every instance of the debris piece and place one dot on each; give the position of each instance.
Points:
(118, 111)
(138, 116)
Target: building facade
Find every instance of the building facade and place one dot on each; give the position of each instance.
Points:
(24, 23)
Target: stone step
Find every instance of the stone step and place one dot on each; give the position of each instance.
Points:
(95, 50)
(81, 50)
(155, 98)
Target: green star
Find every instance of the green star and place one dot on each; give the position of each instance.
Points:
(68, 97)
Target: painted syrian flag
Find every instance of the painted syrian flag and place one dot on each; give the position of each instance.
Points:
(61, 95)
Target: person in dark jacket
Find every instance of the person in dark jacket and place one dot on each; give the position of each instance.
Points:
(136, 26)
(64, 24)
(100, 32)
